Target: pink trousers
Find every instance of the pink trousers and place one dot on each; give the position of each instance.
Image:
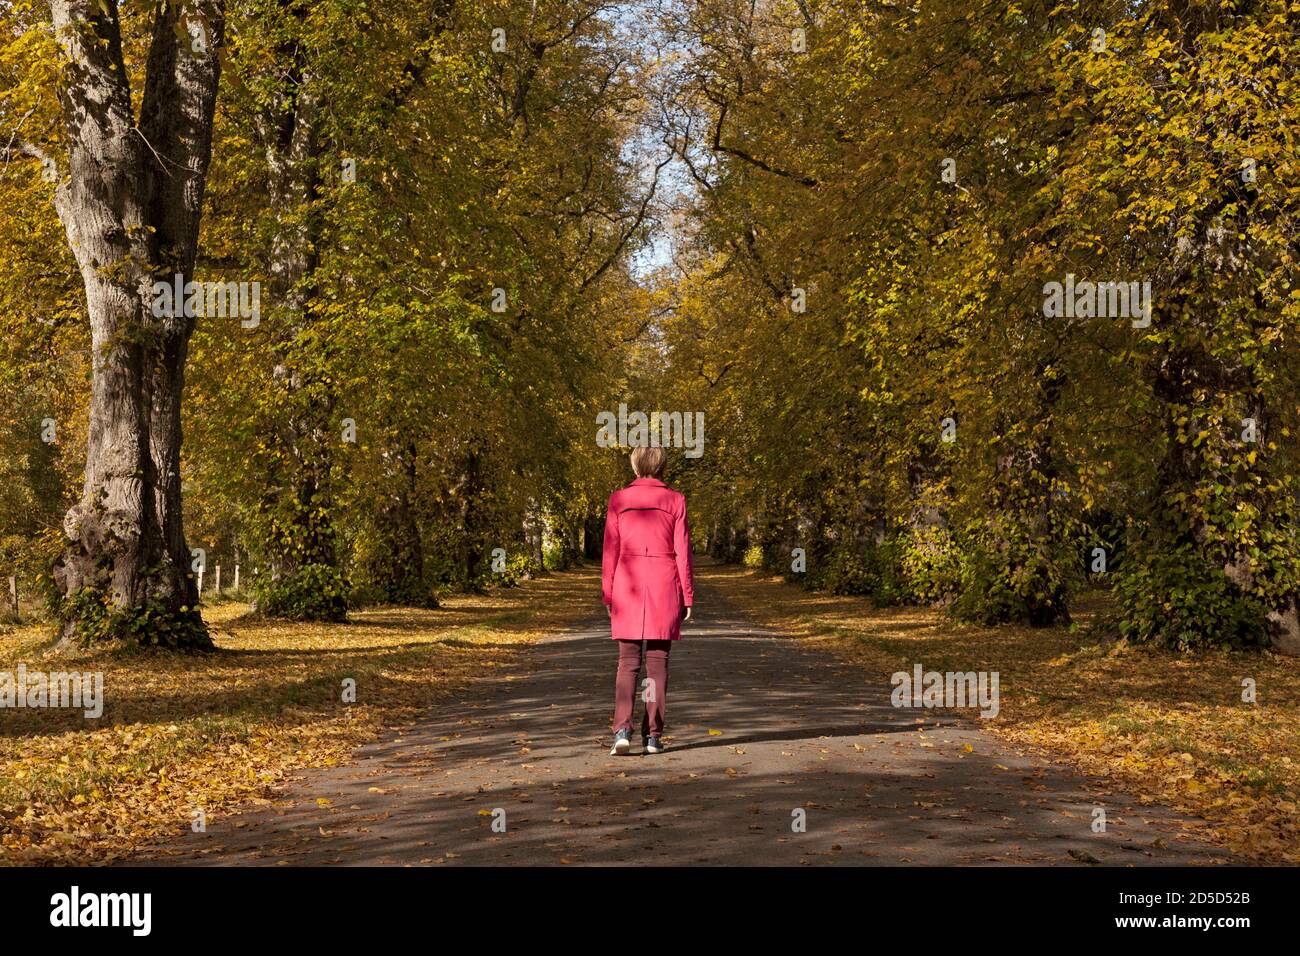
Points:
(653, 692)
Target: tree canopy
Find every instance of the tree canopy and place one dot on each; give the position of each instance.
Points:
(982, 303)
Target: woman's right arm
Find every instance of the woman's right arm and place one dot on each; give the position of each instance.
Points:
(685, 561)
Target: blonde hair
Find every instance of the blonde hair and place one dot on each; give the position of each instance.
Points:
(648, 461)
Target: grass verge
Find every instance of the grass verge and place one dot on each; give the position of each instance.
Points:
(1170, 728)
(181, 734)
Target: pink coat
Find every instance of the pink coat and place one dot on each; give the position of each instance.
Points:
(646, 574)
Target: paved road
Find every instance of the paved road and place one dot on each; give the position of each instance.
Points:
(761, 732)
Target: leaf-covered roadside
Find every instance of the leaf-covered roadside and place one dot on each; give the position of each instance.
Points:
(182, 733)
(1170, 728)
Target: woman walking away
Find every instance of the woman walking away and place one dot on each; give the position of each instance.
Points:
(646, 577)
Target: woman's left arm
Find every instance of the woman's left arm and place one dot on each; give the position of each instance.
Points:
(609, 555)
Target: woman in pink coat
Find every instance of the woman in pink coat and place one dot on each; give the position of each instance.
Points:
(646, 578)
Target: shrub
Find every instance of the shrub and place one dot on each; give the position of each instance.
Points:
(150, 625)
(555, 557)
(846, 570)
(518, 565)
(928, 563)
(313, 592)
(1009, 575)
(1174, 597)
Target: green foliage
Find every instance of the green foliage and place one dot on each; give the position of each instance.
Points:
(312, 592)
(388, 567)
(1170, 597)
(914, 567)
(929, 566)
(489, 171)
(844, 571)
(518, 566)
(149, 626)
(1009, 575)
(555, 556)
(405, 590)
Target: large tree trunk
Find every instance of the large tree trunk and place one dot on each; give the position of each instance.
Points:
(400, 568)
(593, 536)
(298, 506)
(468, 492)
(176, 116)
(1024, 527)
(130, 208)
(534, 534)
(572, 540)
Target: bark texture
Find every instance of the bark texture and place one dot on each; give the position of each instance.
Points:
(130, 205)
